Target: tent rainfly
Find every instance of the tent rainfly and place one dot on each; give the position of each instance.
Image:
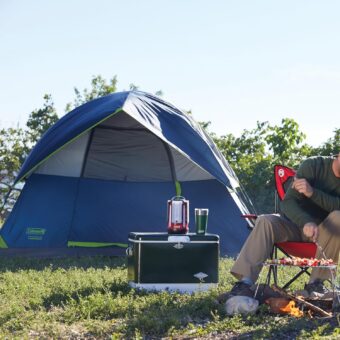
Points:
(108, 168)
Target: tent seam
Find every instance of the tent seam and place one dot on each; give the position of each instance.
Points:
(171, 162)
(87, 150)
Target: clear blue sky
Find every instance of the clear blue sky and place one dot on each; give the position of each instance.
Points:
(230, 62)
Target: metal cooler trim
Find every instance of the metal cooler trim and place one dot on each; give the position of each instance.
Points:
(142, 241)
(174, 287)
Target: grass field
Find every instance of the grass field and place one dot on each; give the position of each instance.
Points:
(90, 298)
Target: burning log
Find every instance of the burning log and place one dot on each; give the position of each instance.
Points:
(292, 309)
(301, 300)
(284, 306)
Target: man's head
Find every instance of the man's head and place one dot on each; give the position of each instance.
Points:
(336, 165)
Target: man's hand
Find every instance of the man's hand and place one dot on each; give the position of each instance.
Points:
(311, 230)
(302, 186)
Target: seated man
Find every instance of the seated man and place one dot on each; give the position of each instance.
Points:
(311, 212)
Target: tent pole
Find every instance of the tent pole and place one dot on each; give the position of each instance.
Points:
(172, 168)
(86, 153)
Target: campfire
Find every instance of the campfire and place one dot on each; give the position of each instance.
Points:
(292, 310)
(286, 304)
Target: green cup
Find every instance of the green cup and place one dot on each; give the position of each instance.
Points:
(201, 220)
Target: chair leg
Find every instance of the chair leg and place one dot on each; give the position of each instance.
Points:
(268, 279)
(302, 271)
(275, 267)
(271, 270)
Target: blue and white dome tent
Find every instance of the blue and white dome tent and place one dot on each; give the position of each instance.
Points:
(108, 168)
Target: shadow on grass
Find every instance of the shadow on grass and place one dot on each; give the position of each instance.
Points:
(97, 262)
(59, 299)
(153, 314)
(291, 329)
(158, 319)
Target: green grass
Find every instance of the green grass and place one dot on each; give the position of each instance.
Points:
(90, 298)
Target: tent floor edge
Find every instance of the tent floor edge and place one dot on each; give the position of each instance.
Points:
(72, 244)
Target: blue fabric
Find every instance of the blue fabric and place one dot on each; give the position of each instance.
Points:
(224, 216)
(162, 118)
(88, 210)
(42, 215)
(107, 211)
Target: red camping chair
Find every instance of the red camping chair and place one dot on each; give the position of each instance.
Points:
(283, 178)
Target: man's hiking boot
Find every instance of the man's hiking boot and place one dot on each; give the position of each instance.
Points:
(316, 288)
(241, 289)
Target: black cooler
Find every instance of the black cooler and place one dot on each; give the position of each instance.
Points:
(160, 261)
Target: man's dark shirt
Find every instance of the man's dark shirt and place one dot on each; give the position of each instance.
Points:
(326, 196)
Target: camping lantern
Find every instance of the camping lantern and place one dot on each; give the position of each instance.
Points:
(178, 215)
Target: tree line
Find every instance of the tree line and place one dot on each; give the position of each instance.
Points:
(252, 155)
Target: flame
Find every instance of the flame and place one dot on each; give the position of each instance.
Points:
(292, 310)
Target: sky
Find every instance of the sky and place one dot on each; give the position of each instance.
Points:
(231, 62)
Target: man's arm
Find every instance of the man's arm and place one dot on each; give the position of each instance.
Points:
(299, 191)
(325, 201)
(302, 186)
(291, 207)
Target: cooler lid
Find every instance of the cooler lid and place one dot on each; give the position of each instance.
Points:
(190, 237)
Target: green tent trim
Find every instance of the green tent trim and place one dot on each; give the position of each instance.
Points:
(2, 243)
(95, 244)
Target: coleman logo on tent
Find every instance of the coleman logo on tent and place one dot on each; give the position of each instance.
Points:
(35, 234)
